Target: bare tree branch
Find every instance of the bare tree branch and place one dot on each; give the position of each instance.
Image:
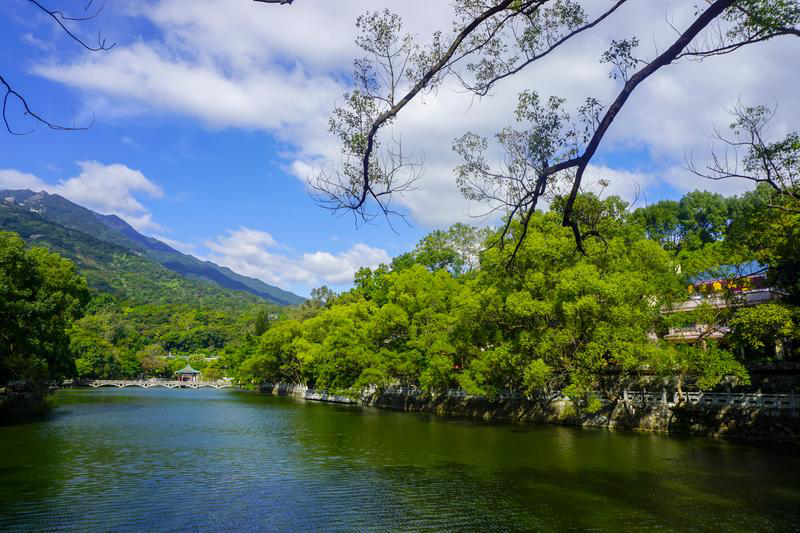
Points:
(59, 17)
(11, 94)
(484, 87)
(419, 86)
(666, 57)
(537, 28)
(776, 164)
(579, 163)
(755, 21)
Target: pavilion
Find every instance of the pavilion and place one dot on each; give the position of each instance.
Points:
(188, 373)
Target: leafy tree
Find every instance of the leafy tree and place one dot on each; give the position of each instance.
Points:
(707, 366)
(255, 370)
(96, 358)
(758, 328)
(277, 357)
(429, 300)
(213, 373)
(40, 296)
(703, 217)
(197, 362)
(153, 360)
(373, 285)
(434, 252)
(661, 223)
(175, 365)
(697, 219)
(468, 242)
(572, 321)
(321, 297)
(456, 250)
(768, 224)
(336, 345)
(261, 324)
(403, 261)
(552, 320)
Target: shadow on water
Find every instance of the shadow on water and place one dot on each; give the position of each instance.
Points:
(530, 476)
(32, 457)
(27, 414)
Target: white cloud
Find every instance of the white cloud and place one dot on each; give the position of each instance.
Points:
(107, 189)
(29, 38)
(684, 181)
(340, 268)
(127, 141)
(269, 98)
(254, 253)
(14, 179)
(629, 186)
(281, 70)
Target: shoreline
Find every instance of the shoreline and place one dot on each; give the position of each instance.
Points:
(736, 423)
(24, 396)
(754, 424)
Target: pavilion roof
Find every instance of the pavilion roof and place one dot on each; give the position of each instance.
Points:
(187, 370)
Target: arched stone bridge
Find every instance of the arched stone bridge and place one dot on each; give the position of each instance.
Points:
(147, 384)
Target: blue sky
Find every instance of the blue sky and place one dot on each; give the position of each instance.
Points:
(208, 115)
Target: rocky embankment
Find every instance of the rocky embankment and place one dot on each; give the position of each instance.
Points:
(748, 423)
(22, 395)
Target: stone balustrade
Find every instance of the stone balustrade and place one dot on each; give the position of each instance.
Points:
(146, 384)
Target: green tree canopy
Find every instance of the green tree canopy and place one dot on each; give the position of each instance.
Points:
(40, 296)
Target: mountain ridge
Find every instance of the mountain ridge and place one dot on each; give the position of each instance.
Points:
(113, 230)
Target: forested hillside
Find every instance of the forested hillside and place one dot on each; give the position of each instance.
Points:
(64, 225)
(127, 276)
(140, 311)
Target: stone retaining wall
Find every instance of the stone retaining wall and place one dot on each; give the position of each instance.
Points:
(749, 423)
(300, 391)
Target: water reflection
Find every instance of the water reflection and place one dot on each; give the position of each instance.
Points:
(134, 459)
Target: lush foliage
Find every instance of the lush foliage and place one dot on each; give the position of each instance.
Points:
(143, 318)
(552, 319)
(40, 296)
(123, 273)
(117, 341)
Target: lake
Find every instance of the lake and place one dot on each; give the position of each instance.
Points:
(225, 460)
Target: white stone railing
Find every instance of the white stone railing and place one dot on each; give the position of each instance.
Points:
(720, 399)
(716, 399)
(301, 391)
(146, 384)
(744, 399)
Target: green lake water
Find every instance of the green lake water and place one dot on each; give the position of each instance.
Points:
(223, 460)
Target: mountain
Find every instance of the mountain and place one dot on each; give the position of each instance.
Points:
(109, 251)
